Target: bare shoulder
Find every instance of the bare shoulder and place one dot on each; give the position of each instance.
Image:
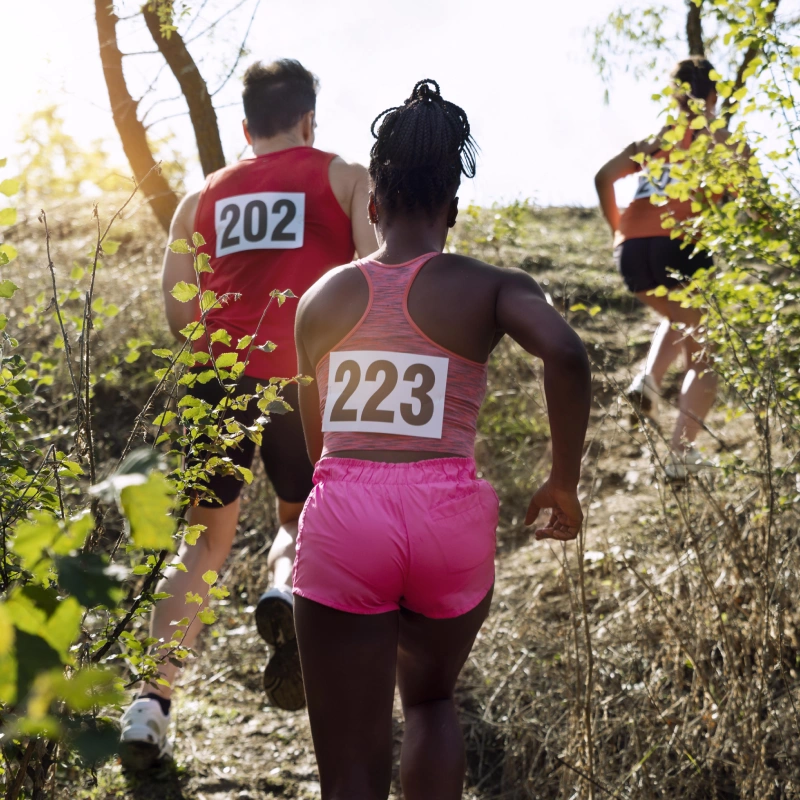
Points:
(183, 218)
(350, 171)
(334, 288)
(345, 176)
(480, 270)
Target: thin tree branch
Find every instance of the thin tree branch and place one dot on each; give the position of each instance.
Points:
(241, 51)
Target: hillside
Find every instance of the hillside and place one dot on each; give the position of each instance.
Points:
(603, 668)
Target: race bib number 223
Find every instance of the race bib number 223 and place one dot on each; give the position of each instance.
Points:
(378, 391)
(260, 221)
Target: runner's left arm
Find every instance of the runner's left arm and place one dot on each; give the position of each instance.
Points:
(522, 311)
(180, 267)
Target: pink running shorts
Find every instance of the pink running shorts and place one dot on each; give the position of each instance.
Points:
(374, 537)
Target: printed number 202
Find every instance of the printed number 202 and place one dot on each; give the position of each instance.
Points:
(260, 221)
(381, 391)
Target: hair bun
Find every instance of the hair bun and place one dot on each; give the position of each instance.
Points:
(426, 89)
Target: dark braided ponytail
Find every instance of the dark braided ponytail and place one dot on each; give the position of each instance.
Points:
(422, 149)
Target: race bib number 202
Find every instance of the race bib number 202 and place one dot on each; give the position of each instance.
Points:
(378, 391)
(260, 221)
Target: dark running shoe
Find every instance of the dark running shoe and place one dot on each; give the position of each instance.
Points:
(283, 680)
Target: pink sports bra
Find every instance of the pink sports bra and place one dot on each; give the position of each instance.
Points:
(387, 386)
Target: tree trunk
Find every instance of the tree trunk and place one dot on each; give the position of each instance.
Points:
(194, 89)
(132, 133)
(694, 29)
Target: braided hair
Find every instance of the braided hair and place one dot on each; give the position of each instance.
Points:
(696, 72)
(421, 150)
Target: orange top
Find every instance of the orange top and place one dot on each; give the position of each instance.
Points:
(641, 219)
(387, 386)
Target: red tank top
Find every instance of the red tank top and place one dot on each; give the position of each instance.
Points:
(387, 386)
(270, 222)
(641, 219)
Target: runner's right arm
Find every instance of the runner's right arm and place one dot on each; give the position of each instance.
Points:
(618, 167)
(522, 311)
(308, 396)
(180, 267)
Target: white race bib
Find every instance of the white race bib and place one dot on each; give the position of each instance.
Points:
(648, 187)
(260, 221)
(378, 391)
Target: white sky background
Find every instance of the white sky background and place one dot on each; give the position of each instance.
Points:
(521, 69)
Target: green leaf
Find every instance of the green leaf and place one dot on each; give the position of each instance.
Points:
(162, 352)
(246, 474)
(8, 216)
(192, 533)
(148, 508)
(88, 578)
(33, 537)
(210, 577)
(9, 186)
(202, 263)
(73, 466)
(8, 663)
(141, 569)
(8, 288)
(77, 273)
(197, 239)
(225, 360)
(244, 342)
(8, 251)
(208, 300)
(184, 292)
(193, 331)
(194, 598)
(221, 336)
(34, 656)
(207, 616)
(63, 627)
(165, 418)
(110, 247)
(179, 246)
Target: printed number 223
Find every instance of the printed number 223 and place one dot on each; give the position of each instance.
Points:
(384, 392)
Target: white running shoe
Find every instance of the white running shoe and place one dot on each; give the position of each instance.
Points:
(143, 734)
(643, 395)
(683, 465)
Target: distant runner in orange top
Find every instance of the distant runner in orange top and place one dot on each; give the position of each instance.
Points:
(646, 255)
(279, 220)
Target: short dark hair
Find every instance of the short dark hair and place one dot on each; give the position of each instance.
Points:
(696, 72)
(277, 95)
(421, 150)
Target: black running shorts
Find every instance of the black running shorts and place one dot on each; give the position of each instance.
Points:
(647, 263)
(283, 447)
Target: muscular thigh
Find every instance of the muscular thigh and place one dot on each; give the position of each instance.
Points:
(431, 652)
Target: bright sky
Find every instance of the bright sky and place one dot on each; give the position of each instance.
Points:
(520, 68)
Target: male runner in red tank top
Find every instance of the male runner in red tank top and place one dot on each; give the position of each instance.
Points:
(279, 220)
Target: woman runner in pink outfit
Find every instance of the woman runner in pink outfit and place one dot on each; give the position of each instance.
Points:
(395, 555)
